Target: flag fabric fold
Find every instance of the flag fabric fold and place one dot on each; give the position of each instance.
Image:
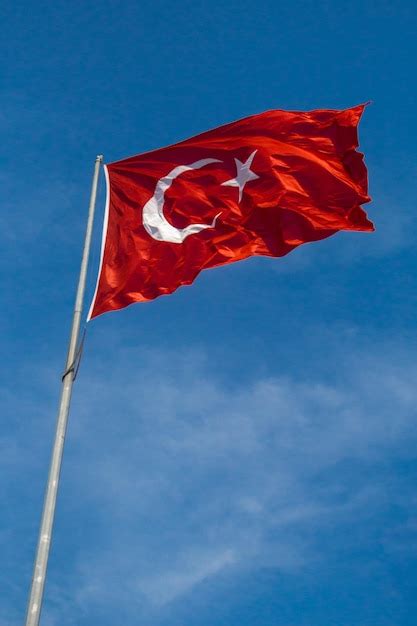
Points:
(260, 186)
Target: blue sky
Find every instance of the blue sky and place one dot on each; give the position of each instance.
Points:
(243, 451)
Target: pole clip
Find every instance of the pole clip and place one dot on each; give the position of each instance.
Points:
(75, 365)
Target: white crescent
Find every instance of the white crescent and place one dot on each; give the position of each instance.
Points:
(153, 218)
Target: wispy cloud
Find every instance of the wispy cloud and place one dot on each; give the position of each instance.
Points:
(173, 478)
(189, 479)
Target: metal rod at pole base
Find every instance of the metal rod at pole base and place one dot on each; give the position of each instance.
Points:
(45, 533)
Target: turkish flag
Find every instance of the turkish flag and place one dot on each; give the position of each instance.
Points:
(260, 186)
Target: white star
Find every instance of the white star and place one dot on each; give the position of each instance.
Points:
(243, 174)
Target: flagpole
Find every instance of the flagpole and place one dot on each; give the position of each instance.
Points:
(45, 533)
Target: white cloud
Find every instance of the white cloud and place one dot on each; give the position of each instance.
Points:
(189, 478)
(173, 477)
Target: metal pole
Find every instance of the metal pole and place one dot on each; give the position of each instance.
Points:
(45, 533)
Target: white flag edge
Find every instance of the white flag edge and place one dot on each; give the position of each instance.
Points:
(103, 239)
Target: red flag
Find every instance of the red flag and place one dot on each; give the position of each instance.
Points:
(260, 186)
